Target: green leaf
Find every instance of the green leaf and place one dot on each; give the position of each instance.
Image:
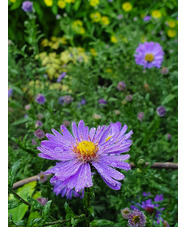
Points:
(19, 212)
(33, 218)
(46, 209)
(38, 8)
(168, 99)
(12, 173)
(101, 222)
(21, 121)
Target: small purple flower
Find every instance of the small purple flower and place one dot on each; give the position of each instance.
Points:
(61, 100)
(164, 70)
(169, 136)
(128, 98)
(68, 99)
(85, 147)
(10, 91)
(140, 116)
(102, 101)
(121, 86)
(38, 124)
(149, 55)
(34, 142)
(83, 101)
(42, 201)
(136, 218)
(42, 177)
(125, 212)
(40, 99)
(161, 111)
(120, 16)
(39, 133)
(146, 194)
(147, 18)
(61, 76)
(27, 6)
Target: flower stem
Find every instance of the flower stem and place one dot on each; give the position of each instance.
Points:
(87, 206)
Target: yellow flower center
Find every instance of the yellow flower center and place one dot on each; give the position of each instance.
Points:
(86, 150)
(149, 57)
(136, 219)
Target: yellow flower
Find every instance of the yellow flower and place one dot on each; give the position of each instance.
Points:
(96, 17)
(125, 40)
(61, 4)
(63, 40)
(113, 39)
(156, 14)
(171, 23)
(77, 26)
(171, 33)
(94, 2)
(109, 70)
(93, 52)
(68, 1)
(48, 2)
(13, 1)
(44, 42)
(127, 6)
(105, 20)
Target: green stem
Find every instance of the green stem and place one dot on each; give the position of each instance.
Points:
(87, 206)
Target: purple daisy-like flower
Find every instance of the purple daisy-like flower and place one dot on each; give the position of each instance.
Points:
(42, 201)
(149, 206)
(136, 218)
(125, 212)
(121, 86)
(39, 133)
(69, 193)
(147, 18)
(161, 111)
(27, 6)
(149, 55)
(40, 99)
(61, 76)
(85, 148)
(102, 101)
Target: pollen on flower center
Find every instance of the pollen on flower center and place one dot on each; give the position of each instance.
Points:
(149, 57)
(136, 219)
(86, 150)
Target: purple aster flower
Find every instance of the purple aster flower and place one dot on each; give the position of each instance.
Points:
(125, 212)
(146, 194)
(42, 177)
(69, 193)
(82, 102)
(27, 6)
(61, 77)
(40, 99)
(121, 86)
(149, 55)
(42, 201)
(136, 218)
(61, 100)
(39, 133)
(85, 148)
(140, 116)
(128, 98)
(10, 91)
(67, 99)
(147, 18)
(38, 124)
(161, 111)
(149, 206)
(102, 101)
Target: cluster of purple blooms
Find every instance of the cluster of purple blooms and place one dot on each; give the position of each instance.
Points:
(151, 206)
(101, 148)
(27, 6)
(40, 99)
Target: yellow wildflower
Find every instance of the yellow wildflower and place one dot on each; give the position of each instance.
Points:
(96, 17)
(93, 52)
(48, 2)
(68, 1)
(94, 2)
(105, 20)
(61, 4)
(44, 42)
(171, 33)
(127, 6)
(109, 70)
(63, 40)
(77, 26)
(171, 23)
(113, 39)
(125, 40)
(13, 1)
(156, 14)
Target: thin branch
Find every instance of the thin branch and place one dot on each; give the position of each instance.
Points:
(158, 165)
(21, 199)
(63, 221)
